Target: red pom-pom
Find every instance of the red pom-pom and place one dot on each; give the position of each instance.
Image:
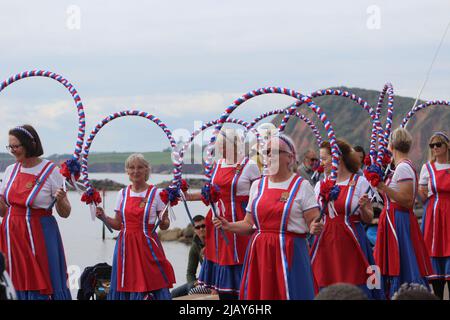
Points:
(386, 159)
(367, 160)
(215, 193)
(372, 177)
(205, 201)
(91, 197)
(320, 169)
(164, 195)
(325, 188)
(184, 186)
(65, 172)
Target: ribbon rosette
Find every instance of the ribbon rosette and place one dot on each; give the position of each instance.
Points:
(210, 194)
(184, 186)
(386, 159)
(320, 169)
(374, 175)
(91, 196)
(328, 190)
(70, 168)
(367, 160)
(170, 195)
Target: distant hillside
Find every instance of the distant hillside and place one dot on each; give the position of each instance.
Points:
(352, 123)
(113, 161)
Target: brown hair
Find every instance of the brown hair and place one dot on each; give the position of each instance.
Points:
(29, 139)
(348, 154)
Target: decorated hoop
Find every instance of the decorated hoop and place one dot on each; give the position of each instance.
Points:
(299, 115)
(91, 194)
(376, 124)
(422, 106)
(277, 90)
(73, 165)
(382, 148)
(179, 162)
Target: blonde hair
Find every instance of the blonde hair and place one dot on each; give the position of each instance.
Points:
(138, 157)
(401, 140)
(440, 137)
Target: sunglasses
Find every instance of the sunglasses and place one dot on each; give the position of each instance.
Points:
(202, 226)
(437, 144)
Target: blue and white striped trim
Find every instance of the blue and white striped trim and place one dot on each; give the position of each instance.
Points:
(12, 177)
(234, 184)
(145, 221)
(32, 196)
(348, 204)
(124, 230)
(436, 200)
(283, 229)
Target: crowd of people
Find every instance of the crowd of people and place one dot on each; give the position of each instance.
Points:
(272, 235)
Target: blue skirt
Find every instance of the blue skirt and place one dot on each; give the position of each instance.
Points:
(229, 279)
(368, 253)
(300, 276)
(161, 294)
(441, 265)
(208, 275)
(56, 263)
(409, 269)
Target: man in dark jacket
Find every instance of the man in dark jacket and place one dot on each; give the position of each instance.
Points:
(195, 257)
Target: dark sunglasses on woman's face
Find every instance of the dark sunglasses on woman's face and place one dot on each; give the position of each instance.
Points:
(437, 144)
(201, 226)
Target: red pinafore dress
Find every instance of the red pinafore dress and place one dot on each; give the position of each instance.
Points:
(336, 254)
(437, 222)
(22, 236)
(277, 265)
(140, 261)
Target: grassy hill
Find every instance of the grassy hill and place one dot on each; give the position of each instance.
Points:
(352, 123)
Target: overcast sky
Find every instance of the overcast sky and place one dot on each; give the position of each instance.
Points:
(186, 61)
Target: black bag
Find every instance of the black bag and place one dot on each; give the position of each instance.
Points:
(7, 291)
(94, 282)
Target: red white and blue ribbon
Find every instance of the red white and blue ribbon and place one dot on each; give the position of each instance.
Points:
(91, 193)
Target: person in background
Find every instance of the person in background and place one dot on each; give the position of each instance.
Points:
(361, 155)
(195, 259)
(308, 165)
(341, 291)
(434, 189)
(413, 291)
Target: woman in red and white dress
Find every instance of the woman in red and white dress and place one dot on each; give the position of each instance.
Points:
(233, 173)
(341, 253)
(281, 210)
(400, 251)
(29, 234)
(434, 189)
(140, 269)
